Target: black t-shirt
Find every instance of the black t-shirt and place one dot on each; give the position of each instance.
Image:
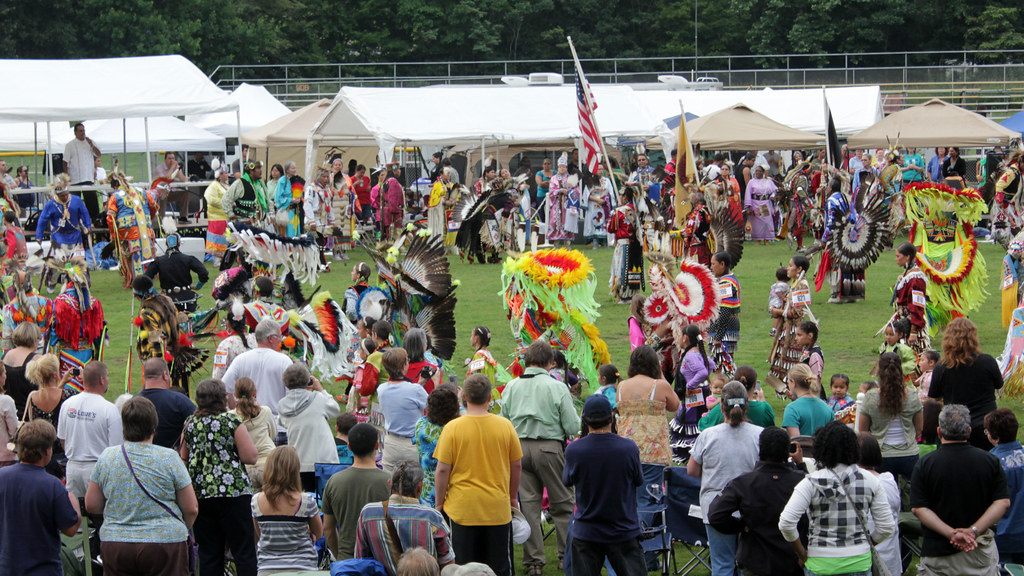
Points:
(958, 482)
(175, 270)
(973, 386)
(172, 409)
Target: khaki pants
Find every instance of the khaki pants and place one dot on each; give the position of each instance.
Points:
(982, 561)
(396, 449)
(543, 461)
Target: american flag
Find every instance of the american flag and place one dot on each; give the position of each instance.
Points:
(588, 126)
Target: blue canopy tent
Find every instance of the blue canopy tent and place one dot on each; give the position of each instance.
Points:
(1015, 122)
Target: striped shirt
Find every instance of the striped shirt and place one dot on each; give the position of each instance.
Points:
(285, 542)
(418, 527)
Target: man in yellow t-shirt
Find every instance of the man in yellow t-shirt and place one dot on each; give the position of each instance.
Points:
(479, 461)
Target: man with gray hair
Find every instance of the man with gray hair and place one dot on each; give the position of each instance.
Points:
(959, 493)
(265, 365)
(386, 529)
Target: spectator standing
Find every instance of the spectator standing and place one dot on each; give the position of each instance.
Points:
(954, 166)
(8, 422)
(34, 507)
(720, 454)
(893, 415)
(348, 491)
(935, 165)
(216, 445)
(361, 186)
(959, 493)
(1001, 428)
(759, 412)
(605, 470)
(807, 412)
(265, 365)
(416, 346)
(543, 414)
(442, 408)
(759, 497)
(836, 542)
(26, 340)
(913, 167)
(479, 463)
(342, 424)
(306, 412)
(259, 421)
(45, 403)
(146, 498)
(88, 425)
(871, 462)
(644, 401)
(172, 408)
(402, 403)
(965, 375)
(387, 529)
(287, 519)
(543, 181)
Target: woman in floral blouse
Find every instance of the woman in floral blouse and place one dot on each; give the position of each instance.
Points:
(216, 446)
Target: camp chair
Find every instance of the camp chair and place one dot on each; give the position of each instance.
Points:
(910, 538)
(651, 506)
(684, 520)
(323, 473)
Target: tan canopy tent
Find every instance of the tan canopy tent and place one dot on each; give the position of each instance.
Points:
(934, 123)
(284, 139)
(740, 128)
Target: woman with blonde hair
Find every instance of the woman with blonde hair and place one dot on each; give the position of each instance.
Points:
(287, 519)
(965, 375)
(45, 403)
(808, 411)
(260, 423)
(26, 339)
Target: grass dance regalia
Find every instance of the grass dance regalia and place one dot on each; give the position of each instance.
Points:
(78, 332)
(130, 216)
(852, 240)
(947, 252)
(549, 294)
(416, 291)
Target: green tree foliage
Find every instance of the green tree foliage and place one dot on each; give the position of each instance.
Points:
(213, 32)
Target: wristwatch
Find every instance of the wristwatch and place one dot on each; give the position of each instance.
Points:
(975, 529)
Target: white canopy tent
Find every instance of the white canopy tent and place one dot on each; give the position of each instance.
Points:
(154, 86)
(165, 133)
(479, 115)
(853, 108)
(256, 107)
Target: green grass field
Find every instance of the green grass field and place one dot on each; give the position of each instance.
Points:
(847, 330)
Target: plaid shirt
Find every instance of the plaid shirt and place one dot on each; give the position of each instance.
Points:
(418, 527)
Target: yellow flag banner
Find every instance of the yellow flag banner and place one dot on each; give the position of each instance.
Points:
(686, 171)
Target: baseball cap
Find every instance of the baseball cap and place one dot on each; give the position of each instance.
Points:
(597, 407)
(520, 527)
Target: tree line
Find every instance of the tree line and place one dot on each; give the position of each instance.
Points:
(213, 32)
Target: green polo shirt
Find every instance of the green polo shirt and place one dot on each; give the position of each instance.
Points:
(540, 407)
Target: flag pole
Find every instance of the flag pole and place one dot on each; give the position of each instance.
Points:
(590, 109)
(685, 164)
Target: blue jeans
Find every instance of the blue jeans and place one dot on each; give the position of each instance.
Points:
(723, 552)
(900, 466)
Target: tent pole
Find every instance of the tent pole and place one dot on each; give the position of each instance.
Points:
(149, 159)
(124, 143)
(47, 169)
(483, 156)
(35, 149)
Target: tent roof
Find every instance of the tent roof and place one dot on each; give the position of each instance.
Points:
(1015, 122)
(739, 127)
(26, 137)
(506, 114)
(165, 133)
(289, 130)
(854, 108)
(256, 107)
(153, 86)
(934, 123)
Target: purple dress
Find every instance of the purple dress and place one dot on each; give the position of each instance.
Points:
(563, 208)
(760, 201)
(683, 428)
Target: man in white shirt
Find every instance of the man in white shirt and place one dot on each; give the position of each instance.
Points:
(265, 365)
(88, 424)
(80, 156)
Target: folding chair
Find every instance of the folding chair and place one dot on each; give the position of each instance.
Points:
(323, 473)
(651, 506)
(910, 538)
(684, 520)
